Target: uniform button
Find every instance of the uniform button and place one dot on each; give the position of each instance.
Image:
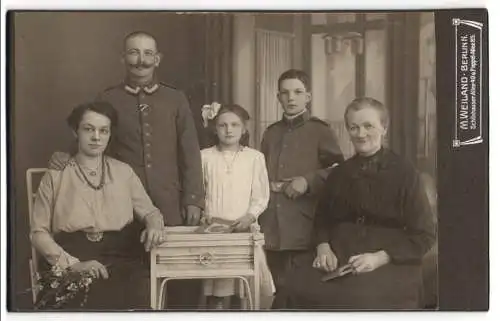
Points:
(148, 155)
(148, 134)
(148, 144)
(278, 205)
(148, 165)
(281, 166)
(146, 125)
(285, 146)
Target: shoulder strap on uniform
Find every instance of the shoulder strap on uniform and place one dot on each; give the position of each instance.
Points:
(164, 84)
(321, 121)
(274, 124)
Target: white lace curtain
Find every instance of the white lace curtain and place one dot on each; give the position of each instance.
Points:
(274, 55)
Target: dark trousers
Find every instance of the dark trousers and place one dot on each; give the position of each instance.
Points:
(282, 262)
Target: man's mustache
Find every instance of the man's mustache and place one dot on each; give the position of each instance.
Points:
(143, 65)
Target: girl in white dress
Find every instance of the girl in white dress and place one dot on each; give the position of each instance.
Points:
(236, 183)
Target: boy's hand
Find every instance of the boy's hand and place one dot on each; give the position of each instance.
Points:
(295, 187)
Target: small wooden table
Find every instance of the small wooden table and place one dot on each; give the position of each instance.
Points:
(186, 254)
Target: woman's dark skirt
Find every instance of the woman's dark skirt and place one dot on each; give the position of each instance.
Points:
(128, 284)
(390, 287)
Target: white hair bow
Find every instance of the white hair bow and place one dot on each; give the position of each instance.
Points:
(208, 112)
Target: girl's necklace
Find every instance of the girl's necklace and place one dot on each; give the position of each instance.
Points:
(229, 165)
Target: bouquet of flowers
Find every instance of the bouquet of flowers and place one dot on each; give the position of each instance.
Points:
(61, 287)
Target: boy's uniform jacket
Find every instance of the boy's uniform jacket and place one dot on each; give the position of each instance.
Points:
(304, 146)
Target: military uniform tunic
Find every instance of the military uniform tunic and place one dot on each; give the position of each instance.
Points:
(304, 146)
(157, 137)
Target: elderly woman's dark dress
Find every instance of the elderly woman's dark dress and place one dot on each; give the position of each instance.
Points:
(369, 204)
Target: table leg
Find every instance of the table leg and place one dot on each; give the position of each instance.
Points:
(163, 294)
(153, 280)
(256, 286)
(243, 295)
(154, 292)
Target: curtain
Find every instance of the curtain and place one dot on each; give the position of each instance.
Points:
(403, 76)
(427, 137)
(219, 33)
(210, 52)
(274, 55)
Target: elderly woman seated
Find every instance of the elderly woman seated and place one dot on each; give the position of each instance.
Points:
(83, 217)
(373, 221)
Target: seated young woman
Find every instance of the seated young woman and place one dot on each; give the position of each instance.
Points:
(85, 217)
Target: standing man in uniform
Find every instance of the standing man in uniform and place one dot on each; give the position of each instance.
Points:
(299, 151)
(156, 133)
(157, 137)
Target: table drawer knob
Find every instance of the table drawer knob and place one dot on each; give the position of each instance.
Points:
(206, 258)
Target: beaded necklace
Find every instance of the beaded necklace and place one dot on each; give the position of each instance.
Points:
(101, 183)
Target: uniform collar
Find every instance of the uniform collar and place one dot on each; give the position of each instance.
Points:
(134, 89)
(296, 121)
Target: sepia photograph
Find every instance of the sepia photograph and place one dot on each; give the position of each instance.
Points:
(206, 161)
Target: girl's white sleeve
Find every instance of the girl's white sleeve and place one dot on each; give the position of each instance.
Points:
(204, 175)
(260, 187)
